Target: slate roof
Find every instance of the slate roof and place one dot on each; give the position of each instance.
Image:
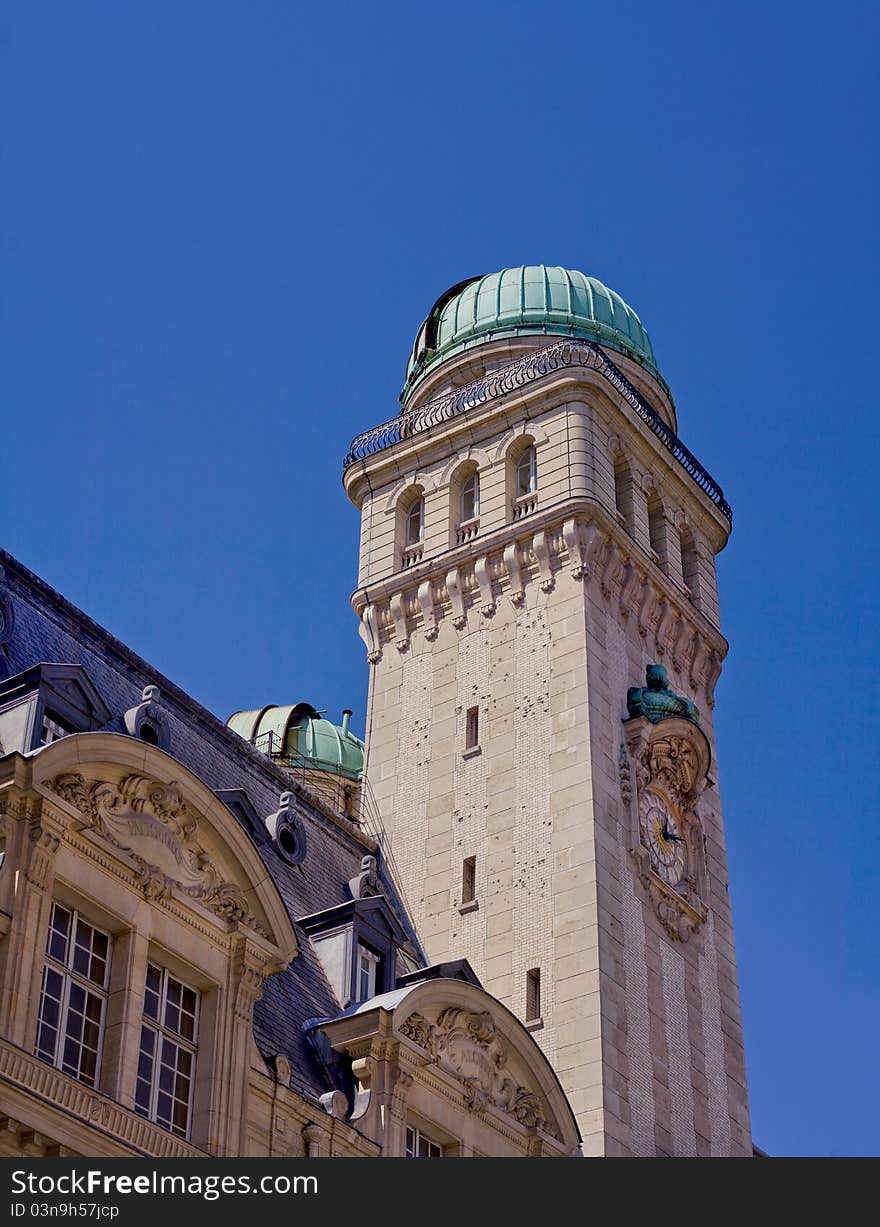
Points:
(49, 629)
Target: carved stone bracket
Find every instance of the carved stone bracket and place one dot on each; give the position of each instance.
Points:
(484, 582)
(426, 604)
(541, 548)
(398, 615)
(369, 632)
(511, 564)
(456, 599)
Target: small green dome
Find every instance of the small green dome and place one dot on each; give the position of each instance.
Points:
(534, 298)
(298, 736)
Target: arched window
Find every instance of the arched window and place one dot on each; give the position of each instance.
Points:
(657, 528)
(410, 528)
(469, 502)
(623, 490)
(690, 564)
(526, 478)
(415, 522)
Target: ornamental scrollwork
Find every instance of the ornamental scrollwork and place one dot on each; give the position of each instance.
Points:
(151, 822)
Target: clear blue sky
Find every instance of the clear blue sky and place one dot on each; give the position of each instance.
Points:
(221, 226)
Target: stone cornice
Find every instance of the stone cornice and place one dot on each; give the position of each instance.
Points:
(576, 539)
(376, 456)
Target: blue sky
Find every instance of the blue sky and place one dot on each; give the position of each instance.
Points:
(221, 226)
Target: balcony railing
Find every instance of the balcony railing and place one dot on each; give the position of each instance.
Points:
(520, 374)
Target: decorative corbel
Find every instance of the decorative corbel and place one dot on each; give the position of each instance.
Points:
(613, 564)
(713, 672)
(664, 625)
(542, 554)
(701, 652)
(426, 602)
(647, 603)
(630, 584)
(484, 583)
(680, 644)
(368, 629)
(511, 563)
(575, 546)
(398, 616)
(456, 600)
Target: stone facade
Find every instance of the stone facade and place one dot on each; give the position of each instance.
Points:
(163, 991)
(541, 615)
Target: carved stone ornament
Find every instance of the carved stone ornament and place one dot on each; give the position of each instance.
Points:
(150, 821)
(670, 760)
(467, 1045)
(366, 883)
(418, 1029)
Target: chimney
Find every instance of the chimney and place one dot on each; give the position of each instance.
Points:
(346, 719)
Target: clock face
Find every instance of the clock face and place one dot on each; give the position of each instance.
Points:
(663, 838)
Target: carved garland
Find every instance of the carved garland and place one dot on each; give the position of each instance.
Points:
(139, 812)
(468, 1045)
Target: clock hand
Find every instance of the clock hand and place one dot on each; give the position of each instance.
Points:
(669, 835)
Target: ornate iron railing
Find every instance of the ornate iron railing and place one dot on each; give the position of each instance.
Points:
(519, 374)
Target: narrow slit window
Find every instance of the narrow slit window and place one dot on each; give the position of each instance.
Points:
(533, 994)
(469, 879)
(472, 728)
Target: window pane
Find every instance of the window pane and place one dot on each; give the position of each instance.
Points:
(414, 522)
(152, 991)
(47, 1039)
(163, 1109)
(59, 930)
(82, 949)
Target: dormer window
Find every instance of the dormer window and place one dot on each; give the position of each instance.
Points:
(46, 703)
(357, 944)
(53, 729)
(368, 969)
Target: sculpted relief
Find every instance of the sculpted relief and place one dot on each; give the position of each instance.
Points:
(467, 1046)
(151, 822)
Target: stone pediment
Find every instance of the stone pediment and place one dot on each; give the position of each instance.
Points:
(468, 1046)
(151, 822)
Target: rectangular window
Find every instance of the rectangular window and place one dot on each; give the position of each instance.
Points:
(367, 973)
(52, 730)
(73, 997)
(533, 994)
(469, 879)
(420, 1147)
(167, 1058)
(472, 728)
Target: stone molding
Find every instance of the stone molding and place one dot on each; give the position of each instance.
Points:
(579, 547)
(468, 1046)
(36, 1078)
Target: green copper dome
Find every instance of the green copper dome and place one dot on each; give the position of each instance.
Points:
(534, 298)
(297, 736)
